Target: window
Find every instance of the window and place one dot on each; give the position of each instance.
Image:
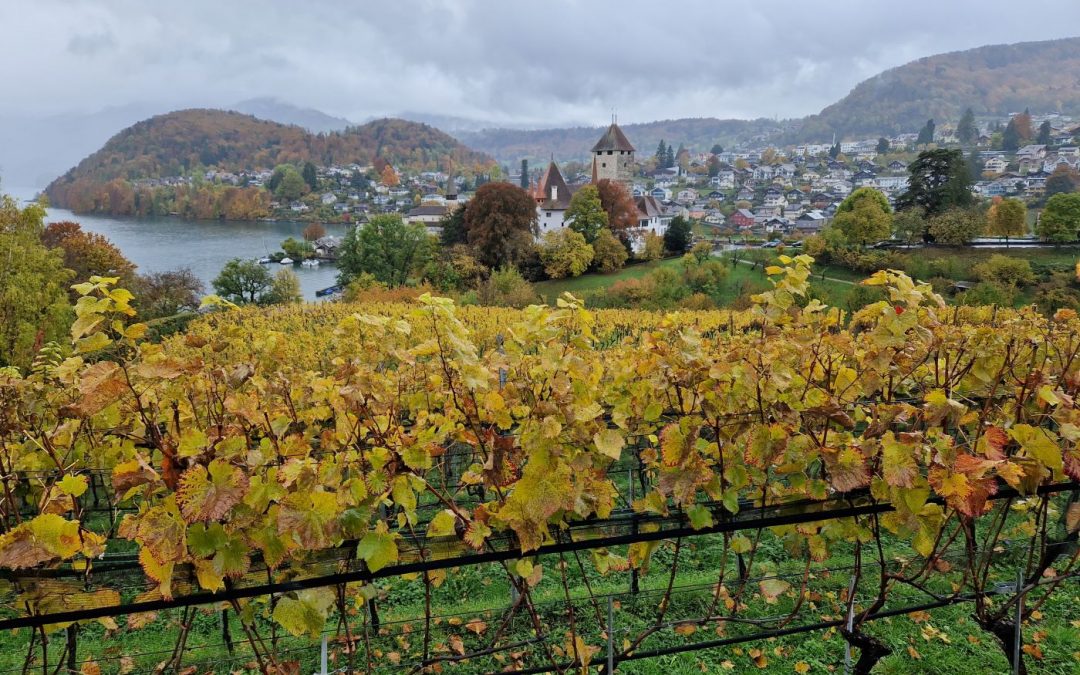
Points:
(603, 164)
(549, 214)
(610, 152)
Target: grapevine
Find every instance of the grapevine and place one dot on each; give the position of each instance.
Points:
(334, 446)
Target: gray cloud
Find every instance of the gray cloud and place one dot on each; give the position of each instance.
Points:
(89, 44)
(552, 62)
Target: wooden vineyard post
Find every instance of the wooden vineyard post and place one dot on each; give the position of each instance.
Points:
(849, 624)
(610, 635)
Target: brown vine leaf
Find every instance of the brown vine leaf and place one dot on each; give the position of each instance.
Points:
(207, 495)
(992, 443)
(759, 657)
(456, 645)
(846, 467)
(772, 589)
(90, 668)
(130, 474)
(101, 385)
(476, 626)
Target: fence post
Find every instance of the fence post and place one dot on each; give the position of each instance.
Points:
(514, 593)
(1018, 635)
(73, 647)
(323, 657)
(850, 623)
(610, 635)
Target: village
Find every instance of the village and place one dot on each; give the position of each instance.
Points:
(743, 194)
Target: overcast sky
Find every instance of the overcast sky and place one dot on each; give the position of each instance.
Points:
(536, 62)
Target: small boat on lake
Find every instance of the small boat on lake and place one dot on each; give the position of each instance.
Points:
(310, 263)
(286, 261)
(266, 260)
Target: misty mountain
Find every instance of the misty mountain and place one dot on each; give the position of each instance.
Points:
(276, 110)
(462, 125)
(574, 143)
(34, 150)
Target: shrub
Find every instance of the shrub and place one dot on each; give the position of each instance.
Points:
(986, 294)
(957, 227)
(506, 287)
(697, 301)
(565, 253)
(654, 247)
(1005, 271)
(704, 277)
(609, 254)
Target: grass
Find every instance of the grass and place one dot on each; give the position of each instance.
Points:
(741, 281)
(944, 641)
(553, 288)
(973, 256)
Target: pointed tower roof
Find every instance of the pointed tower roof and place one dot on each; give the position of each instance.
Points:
(613, 139)
(552, 191)
(451, 181)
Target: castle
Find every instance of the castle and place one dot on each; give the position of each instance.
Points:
(612, 159)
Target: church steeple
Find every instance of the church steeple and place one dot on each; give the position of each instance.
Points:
(451, 182)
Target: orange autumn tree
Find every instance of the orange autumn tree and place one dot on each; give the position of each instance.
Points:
(86, 253)
(620, 207)
(389, 177)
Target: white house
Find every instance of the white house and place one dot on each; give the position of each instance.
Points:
(652, 218)
(426, 214)
(890, 184)
(687, 195)
(995, 165)
(552, 197)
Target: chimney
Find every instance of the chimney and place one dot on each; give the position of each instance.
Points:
(554, 193)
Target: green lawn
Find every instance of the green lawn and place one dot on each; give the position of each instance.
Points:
(741, 280)
(552, 289)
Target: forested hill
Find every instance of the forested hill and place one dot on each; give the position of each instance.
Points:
(179, 142)
(992, 80)
(512, 145)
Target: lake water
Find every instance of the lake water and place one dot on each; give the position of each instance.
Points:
(204, 246)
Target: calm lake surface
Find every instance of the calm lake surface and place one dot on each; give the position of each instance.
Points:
(204, 246)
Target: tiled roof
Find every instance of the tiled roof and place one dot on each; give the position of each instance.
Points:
(552, 178)
(613, 139)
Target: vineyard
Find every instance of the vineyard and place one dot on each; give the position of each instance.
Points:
(389, 488)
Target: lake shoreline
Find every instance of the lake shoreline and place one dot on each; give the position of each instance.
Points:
(163, 243)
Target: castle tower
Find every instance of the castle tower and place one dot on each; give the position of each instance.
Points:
(613, 156)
